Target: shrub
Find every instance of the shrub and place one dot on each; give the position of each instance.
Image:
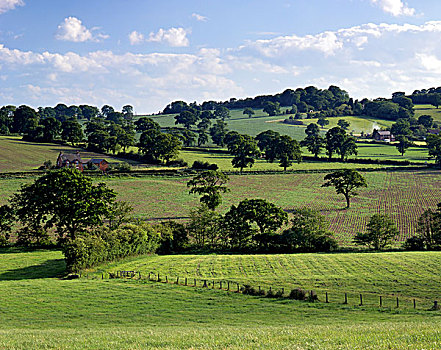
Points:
(414, 243)
(197, 164)
(124, 166)
(177, 163)
(297, 294)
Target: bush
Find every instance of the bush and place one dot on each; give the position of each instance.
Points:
(297, 294)
(414, 243)
(197, 164)
(123, 167)
(312, 296)
(177, 163)
(106, 245)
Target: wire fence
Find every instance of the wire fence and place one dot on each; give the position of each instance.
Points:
(350, 298)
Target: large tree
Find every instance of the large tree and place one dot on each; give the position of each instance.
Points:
(63, 199)
(345, 182)
(158, 146)
(72, 131)
(187, 118)
(313, 141)
(209, 184)
(244, 149)
(287, 151)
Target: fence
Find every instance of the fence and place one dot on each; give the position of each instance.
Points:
(346, 298)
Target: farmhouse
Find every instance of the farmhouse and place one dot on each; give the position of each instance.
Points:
(101, 164)
(70, 160)
(383, 135)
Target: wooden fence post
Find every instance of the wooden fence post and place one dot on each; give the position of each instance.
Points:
(346, 298)
(237, 287)
(177, 280)
(185, 280)
(398, 303)
(414, 303)
(381, 301)
(205, 284)
(283, 291)
(361, 300)
(327, 297)
(213, 285)
(166, 279)
(220, 284)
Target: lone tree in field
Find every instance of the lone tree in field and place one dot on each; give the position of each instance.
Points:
(381, 230)
(62, 199)
(313, 141)
(249, 111)
(244, 149)
(345, 183)
(209, 184)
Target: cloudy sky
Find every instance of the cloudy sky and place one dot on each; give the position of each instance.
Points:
(148, 53)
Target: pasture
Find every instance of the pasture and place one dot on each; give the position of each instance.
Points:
(40, 311)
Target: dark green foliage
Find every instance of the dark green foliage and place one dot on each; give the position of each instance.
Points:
(71, 131)
(144, 124)
(309, 232)
(249, 111)
(313, 141)
(428, 231)
(297, 294)
(158, 146)
(205, 227)
(312, 297)
(381, 230)
(186, 118)
(345, 183)
(337, 141)
(64, 199)
(6, 222)
(218, 132)
(104, 244)
(434, 146)
(209, 184)
(403, 144)
(201, 165)
(344, 124)
(175, 242)
(425, 120)
(272, 108)
(243, 148)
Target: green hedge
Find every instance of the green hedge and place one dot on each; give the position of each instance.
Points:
(105, 245)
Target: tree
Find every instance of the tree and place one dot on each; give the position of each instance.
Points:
(403, 144)
(344, 124)
(24, 118)
(249, 111)
(127, 112)
(72, 131)
(345, 183)
(222, 112)
(309, 232)
(186, 118)
(158, 146)
(287, 151)
(348, 147)
(429, 228)
(266, 141)
(218, 132)
(89, 112)
(6, 119)
(51, 129)
(204, 226)
(64, 199)
(322, 122)
(381, 230)
(434, 147)
(245, 151)
(144, 124)
(272, 108)
(334, 140)
(209, 184)
(313, 141)
(425, 120)
(240, 220)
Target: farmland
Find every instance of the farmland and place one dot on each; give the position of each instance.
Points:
(37, 310)
(403, 195)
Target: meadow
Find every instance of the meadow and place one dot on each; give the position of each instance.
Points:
(40, 310)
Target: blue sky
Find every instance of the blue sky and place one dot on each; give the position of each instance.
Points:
(149, 53)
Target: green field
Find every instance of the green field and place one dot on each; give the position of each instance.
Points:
(428, 110)
(403, 195)
(41, 311)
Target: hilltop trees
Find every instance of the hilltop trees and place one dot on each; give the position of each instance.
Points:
(345, 183)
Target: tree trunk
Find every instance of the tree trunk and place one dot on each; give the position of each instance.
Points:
(347, 201)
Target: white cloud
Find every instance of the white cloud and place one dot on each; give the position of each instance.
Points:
(395, 7)
(72, 29)
(6, 5)
(199, 18)
(136, 38)
(176, 37)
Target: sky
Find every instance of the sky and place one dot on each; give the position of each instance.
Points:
(149, 53)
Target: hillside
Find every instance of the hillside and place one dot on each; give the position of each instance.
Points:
(41, 311)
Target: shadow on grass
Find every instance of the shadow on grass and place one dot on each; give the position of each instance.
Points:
(49, 269)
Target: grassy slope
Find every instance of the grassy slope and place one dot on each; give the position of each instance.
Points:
(407, 275)
(39, 311)
(18, 155)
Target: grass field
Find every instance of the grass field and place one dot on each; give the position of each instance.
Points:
(41, 311)
(428, 110)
